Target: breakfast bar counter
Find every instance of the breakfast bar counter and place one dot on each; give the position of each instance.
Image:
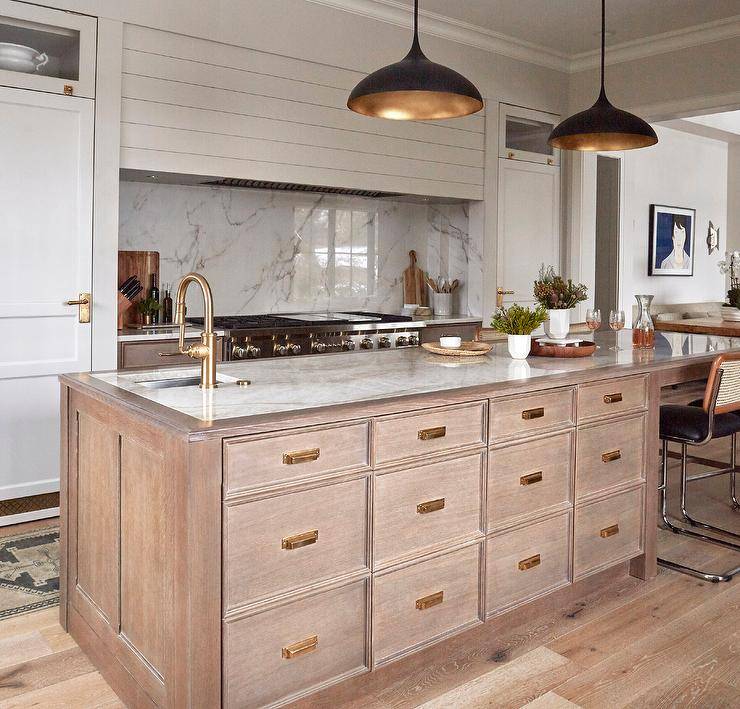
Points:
(314, 518)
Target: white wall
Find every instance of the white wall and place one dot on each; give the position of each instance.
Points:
(732, 234)
(682, 170)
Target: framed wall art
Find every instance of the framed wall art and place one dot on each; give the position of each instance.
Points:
(671, 243)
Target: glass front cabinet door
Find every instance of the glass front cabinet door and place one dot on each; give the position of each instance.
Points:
(47, 50)
(523, 135)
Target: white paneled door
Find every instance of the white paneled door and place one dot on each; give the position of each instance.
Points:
(528, 226)
(46, 167)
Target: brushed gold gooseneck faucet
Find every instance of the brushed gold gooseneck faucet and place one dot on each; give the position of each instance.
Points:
(206, 350)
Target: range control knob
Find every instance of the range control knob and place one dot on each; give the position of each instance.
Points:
(413, 340)
(366, 343)
(402, 341)
(281, 350)
(319, 347)
(246, 352)
(348, 346)
(294, 349)
(384, 343)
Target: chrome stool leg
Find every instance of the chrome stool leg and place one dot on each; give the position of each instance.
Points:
(663, 488)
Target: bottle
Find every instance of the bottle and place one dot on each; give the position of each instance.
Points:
(643, 330)
(167, 306)
(154, 295)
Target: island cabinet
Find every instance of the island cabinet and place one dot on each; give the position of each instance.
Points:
(250, 567)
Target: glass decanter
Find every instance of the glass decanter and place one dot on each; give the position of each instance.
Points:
(643, 330)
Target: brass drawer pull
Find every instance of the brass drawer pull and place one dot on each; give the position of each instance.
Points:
(613, 398)
(424, 508)
(426, 434)
(530, 563)
(302, 647)
(530, 414)
(611, 456)
(531, 479)
(300, 540)
(295, 457)
(609, 531)
(429, 601)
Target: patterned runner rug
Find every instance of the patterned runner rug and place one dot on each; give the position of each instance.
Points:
(29, 571)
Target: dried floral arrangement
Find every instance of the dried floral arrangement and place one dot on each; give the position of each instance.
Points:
(554, 293)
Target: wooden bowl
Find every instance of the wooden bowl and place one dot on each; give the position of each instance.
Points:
(585, 348)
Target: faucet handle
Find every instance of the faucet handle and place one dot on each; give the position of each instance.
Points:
(198, 351)
(177, 353)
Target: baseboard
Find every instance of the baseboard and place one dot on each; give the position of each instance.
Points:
(29, 516)
(38, 487)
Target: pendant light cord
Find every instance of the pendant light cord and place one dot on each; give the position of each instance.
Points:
(415, 45)
(603, 42)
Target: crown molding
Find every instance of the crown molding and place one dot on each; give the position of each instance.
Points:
(716, 31)
(430, 23)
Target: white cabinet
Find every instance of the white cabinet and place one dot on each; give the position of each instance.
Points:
(523, 135)
(47, 50)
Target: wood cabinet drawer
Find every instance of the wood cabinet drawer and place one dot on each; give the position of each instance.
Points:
(529, 477)
(427, 505)
(290, 541)
(527, 562)
(524, 415)
(132, 355)
(291, 649)
(256, 461)
(613, 396)
(418, 604)
(434, 431)
(608, 531)
(609, 454)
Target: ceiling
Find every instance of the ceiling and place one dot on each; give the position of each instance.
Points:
(729, 121)
(572, 27)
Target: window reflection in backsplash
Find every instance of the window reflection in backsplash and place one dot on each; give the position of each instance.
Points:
(272, 251)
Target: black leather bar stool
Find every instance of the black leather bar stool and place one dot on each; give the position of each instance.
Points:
(717, 415)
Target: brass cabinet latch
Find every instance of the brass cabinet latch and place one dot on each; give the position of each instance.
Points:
(530, 414)
(611, 456)
(609, 531)
(302, 647)
(427, 434)
(429, 601)
(296, 457)
(300, 540)
(82, 302)
(613, 398)
(530, 563)
(424, 508)
(531, 479)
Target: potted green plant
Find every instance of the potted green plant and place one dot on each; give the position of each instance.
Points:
(559, 297)
(518, 323)
(146, 307)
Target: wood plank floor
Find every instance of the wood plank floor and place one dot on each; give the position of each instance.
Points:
(672, 642)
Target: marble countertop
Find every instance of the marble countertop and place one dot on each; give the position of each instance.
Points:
(309, 382)
(447, 319)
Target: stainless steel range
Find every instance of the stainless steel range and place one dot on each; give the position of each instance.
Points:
(292, 334)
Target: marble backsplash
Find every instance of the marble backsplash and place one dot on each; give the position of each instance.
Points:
(269, 251)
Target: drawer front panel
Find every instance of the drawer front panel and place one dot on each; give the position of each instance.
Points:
(524, 415)
(608, 531)
(253, 462)
(426, 506)
(290, 541)
(526, 562)
(420, 602)
(146, 354)
(276, 653)
(437, 430)
(526, 478)
(614, 396)
(610, 454)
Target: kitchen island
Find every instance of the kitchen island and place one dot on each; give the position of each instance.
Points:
(311, 519)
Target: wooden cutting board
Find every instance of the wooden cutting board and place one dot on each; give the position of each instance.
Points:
(414, 289)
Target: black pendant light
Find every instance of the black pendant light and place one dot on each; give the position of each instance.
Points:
(415, 89)
(602, 127)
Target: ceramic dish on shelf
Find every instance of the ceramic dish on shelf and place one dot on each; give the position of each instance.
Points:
(466, 349)
(18, 57)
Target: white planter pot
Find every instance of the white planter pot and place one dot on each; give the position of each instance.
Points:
(519, 346)
(730, 314)
(558, 326)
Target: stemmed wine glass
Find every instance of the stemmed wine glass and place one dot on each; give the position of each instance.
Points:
(616, 323)
(593, 318)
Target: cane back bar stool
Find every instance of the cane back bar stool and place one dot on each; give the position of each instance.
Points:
(717, 415)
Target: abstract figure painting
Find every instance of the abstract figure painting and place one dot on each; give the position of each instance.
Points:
(671, 241)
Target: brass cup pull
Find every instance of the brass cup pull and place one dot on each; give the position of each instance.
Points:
(424, 508)
(300, 540)
(296, 457)
(302, 647)
(530, 414)
(427, 434)
(531, 479)
(430, 601)
(609, 531)
(530, 563)
(613, 398)
(611, 456)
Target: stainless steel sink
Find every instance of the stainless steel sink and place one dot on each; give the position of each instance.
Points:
(169, 383)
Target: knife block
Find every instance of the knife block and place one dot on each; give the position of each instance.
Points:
(141, 264)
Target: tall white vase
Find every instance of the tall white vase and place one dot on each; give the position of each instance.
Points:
(558, 326)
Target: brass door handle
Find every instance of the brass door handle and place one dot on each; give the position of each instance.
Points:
(296, 457)
(611, 456)
(424, 508)
(81, 301)
(83, 306)
(531, 479)
(530, 414)
(302, 647)
(609, 531)
(430, 601)
(300, 540)
(427, 434)
(530, 563)
(613, 398)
